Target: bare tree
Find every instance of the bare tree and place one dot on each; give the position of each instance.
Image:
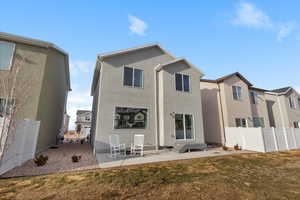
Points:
(15, 90)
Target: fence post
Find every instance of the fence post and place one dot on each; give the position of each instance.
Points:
(285, 137)
(294, 137)
(275, 139)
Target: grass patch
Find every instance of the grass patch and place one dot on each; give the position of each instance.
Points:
(244, 176)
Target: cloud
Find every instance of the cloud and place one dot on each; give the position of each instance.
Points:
(250, 16)
(137, 26)
(78, 101)
(285, 30)
(80, 66)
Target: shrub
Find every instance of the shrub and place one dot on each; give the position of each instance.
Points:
(41, 160)
(76, 158)
(224, 148)
(237, 147)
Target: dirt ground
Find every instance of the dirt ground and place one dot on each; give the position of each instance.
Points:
(59, 161)
(238, 177)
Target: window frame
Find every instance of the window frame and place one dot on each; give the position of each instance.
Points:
(184, 127)
(254, 97)
(239, 96)
(133, 78)
(12, 55)
(298, 124)
(182, 83)
(259, 119)
(126, 106)
(241, 119)
(291, 102)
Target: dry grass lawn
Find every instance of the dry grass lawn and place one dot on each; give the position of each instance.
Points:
(244, 176)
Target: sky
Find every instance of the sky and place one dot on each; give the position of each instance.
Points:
(260, 39)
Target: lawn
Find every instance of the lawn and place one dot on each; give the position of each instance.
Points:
(243, 176)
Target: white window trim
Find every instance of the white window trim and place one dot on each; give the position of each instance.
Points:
(239, 97)
(182, 83)
(12, 56)
(184, 131)
(132, 86)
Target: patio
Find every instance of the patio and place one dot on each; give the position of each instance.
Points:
(106, 161)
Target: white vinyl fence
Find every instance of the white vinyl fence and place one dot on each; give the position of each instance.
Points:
(263, 139)
(21, 144)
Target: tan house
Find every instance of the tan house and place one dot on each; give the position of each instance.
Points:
(146, 90)
(42, 83)
(232, 101)
(83, 122)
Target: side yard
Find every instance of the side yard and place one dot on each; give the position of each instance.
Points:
(239, 176)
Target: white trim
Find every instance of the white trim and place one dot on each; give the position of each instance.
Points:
(133, 69)
(12, 55)
(184, 129)
(182, 83)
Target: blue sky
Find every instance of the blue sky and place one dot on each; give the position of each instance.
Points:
(260, 39)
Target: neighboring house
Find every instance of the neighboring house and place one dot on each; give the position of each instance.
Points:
(284, 107)
(146, 90)
(83, 122)
(232, 101)
(44, 77)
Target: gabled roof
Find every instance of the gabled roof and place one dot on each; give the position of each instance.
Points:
(282, 90)
(114, 53)
(219, 80)
(161, 66)
(39, 43)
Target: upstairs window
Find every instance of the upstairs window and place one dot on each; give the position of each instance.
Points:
(182, 82)
(237, 93)
(6, 54)
(291, 102)
(299, 103)
(133, 77)
(254, 97)
(240, 122)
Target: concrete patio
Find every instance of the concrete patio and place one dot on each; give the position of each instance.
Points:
(106, 161)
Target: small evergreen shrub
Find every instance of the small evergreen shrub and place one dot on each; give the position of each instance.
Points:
(76, 158)
(224, 148)
(41, 160)
(237, 147)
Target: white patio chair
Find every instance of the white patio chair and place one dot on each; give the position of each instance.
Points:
(138, 144)
(115, 147)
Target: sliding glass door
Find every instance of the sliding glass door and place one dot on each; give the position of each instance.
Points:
(184, 129)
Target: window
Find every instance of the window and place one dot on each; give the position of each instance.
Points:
(258, 122)
(6, 106)
(240, 122)
(133, 77)
(184, 127)
(87, 118)
(182, 82)
(254, 97)
(6, 54)
(299, 103)
(237, 92)
(296, 124)
(291, 102)
(130, 118)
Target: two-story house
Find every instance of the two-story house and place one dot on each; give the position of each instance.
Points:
(146, 90)
(232, 101)
(40, 71)
(83, 122)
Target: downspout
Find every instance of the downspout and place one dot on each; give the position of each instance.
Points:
(222, 114)
(156, 110)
